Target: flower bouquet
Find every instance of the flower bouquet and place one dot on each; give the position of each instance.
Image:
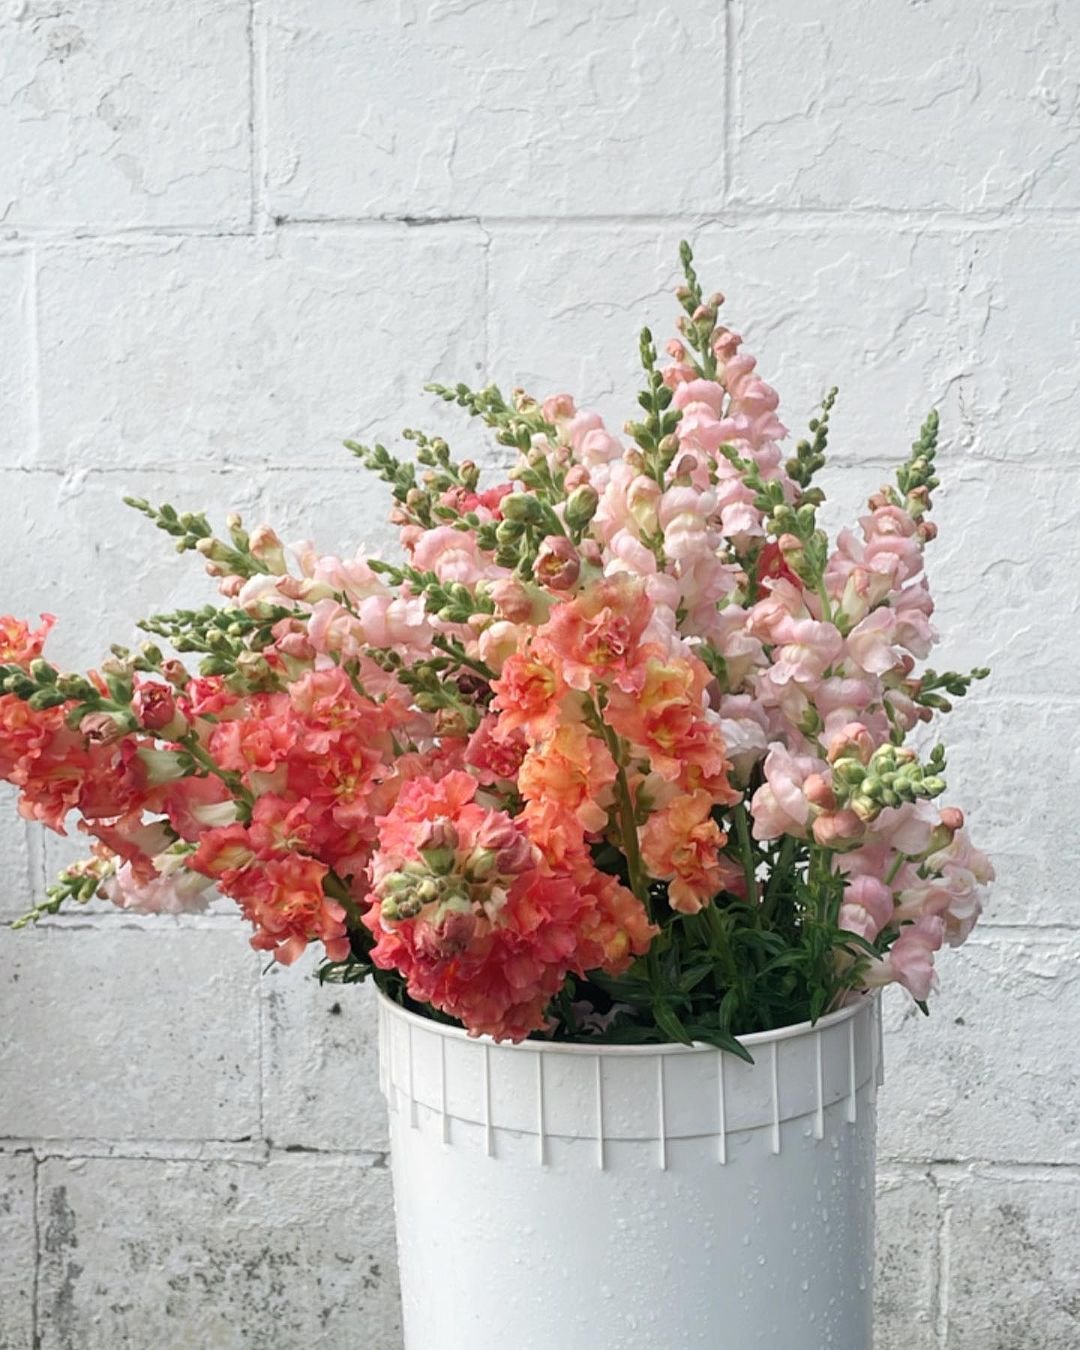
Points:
(614, 754)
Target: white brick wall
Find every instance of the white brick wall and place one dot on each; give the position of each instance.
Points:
(234, 231)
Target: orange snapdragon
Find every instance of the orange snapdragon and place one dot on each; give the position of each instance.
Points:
(680, 844)
(574, 769)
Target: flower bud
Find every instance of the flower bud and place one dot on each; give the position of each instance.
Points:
(508, 532)
(155, 707)
(818, 791)
(396, 909)
(512, 601)
(581, 506)
(175, 672)
(42, 671)
(268, 548)
(451, 722)
(103, 728)
(450, 930)
(838, 829)
(952, 818)
(852, 740)
(866, 806)
(521, 508)
(437, 843)
(44, 699)
(557, 563)
(480, 865)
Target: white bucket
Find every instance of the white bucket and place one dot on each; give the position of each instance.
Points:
(563, 1197)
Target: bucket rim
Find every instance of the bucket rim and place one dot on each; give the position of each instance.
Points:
(751, 1040)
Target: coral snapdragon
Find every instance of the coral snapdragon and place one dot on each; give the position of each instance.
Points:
(625, 731)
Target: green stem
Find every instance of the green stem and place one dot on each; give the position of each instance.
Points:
(721, 944)
(746, 851)
(638, 877)
(639, 882)
(897, 863)
(780, 870)
(821, 863)
(231, 780)
(334, 887)
(445, 645)
(826, 603)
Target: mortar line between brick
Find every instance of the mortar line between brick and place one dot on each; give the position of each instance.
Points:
(33, 341)
(35, 1278)
(238, 468)
(249, 35)
(260, 214)
(485, 373)
(944, 1269)
(924, 220)
(730, 28)
(260, 1054)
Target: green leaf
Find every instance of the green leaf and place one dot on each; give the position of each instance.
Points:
(722, 1040)
(669, 1024)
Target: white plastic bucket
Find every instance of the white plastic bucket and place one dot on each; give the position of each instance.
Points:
(564, 1197)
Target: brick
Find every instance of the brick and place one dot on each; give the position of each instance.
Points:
(485, 109)
(98, 565)
(281, 1256)
(345, 509)
(1013, 1254)
(18, 884)
(16, 369)
(1004, 529)
(905, 1282)
(125, 1034)
(568, 303)
(1011, 821)
(321, 1074)
(930, 106)
(254, 352)
(129, 114)
(1019, 398)
(993, 1074)
(17, 1245)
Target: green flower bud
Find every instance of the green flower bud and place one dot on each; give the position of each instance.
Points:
(508, 532)
(46, 698)
(581, 506)
(522, 508)
(42, 671)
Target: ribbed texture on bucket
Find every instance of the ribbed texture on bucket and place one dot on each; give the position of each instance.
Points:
(439, 1077)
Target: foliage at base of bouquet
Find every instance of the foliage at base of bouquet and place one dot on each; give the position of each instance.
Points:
(616, 749)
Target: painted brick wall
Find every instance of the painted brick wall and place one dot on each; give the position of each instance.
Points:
(232, 232)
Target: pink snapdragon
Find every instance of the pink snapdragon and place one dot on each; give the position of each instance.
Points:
(910, 960)
(780, 805)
